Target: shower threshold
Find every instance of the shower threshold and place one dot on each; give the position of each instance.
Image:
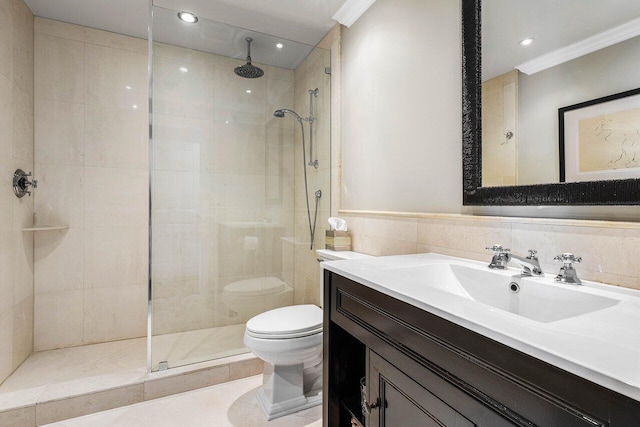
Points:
(55, 385)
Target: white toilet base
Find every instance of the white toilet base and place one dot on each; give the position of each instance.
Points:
(283, 390)
(272, 411)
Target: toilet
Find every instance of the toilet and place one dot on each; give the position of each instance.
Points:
(289, 340)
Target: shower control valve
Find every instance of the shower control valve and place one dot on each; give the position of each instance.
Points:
(21, 183)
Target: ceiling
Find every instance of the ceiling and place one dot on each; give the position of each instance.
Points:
(222, 28)
(554, 24)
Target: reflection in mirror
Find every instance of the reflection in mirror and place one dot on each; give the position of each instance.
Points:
(539, 57)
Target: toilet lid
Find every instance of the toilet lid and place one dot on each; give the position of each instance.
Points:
(256, 287)
(287, 322)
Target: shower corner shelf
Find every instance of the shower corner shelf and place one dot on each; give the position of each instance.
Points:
(46, 228)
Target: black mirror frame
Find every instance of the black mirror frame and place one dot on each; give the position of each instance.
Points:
(614, 192)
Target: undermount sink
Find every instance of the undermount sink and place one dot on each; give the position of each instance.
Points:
(537, 299)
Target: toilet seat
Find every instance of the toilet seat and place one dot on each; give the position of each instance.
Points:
(295, 321)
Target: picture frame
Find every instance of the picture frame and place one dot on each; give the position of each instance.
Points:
(599, 140)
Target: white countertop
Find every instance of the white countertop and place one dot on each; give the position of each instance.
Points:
(602, 346)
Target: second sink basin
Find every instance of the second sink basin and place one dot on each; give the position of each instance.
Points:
(533, 298)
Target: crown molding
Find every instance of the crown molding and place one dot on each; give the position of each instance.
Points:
(351, 11)
(599, 41)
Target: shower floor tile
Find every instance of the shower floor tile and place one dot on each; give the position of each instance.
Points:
(225, 405)
(123, 358)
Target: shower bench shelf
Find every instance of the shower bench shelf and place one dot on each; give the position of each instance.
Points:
(45, 228)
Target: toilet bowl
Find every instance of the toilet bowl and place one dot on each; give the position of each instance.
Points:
(251, 297)
(289, 340)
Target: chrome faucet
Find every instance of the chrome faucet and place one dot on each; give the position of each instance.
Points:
(502, 256)
(530, 265)
(567, 272)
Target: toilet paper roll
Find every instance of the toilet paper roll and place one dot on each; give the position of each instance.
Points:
(250, 243)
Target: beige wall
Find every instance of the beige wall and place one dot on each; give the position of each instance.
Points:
(16, 151)
(378, 116)
(401, 97)
(91, 160)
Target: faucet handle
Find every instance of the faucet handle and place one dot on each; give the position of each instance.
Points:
(498, 249)
(567, 272)
(567, 259)
(533, 254)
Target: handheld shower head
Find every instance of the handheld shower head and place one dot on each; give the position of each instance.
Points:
(280, 113)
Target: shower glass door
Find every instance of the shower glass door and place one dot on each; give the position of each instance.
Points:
(225, 184)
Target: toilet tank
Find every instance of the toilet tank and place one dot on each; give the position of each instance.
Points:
(329, 255)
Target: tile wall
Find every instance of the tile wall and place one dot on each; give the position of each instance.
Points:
(310, 75)
(608, 249)
(16, 151)
(91, 162)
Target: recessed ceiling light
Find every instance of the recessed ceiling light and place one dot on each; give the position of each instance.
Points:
(226, 122)
(527, 41)
(183, 69)
(128, 87)
(279, 45)
(135, 107)
(188, 17)
(248, 90)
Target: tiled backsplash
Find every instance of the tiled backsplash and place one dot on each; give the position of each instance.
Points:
(607, 248)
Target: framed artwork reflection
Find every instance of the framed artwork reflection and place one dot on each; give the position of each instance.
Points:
(600, 139)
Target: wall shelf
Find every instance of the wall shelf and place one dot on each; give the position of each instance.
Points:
(46, 228)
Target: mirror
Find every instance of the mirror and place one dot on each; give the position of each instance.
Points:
(551, 108)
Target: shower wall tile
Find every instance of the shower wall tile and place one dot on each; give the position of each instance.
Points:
(7, 257)
(6, 40)
(115, 256)
(59, 133)
(115, 197)
(180, 143)
(22, 330)
(238, 148)
(231, 92)
(16, 151)
(6, 119)
(23, 266)
(58, 260)
(116, 138)
(58, 319)
(22, 124)
(6, 349)
(115, 40)
(108, 73)
(23, 47)
(92, 163)
(183, 93)
(59, 69)
(60, 29)
(59, 198)
(114, 313)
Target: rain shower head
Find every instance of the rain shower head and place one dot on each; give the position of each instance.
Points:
(283, 111)
(248, 70)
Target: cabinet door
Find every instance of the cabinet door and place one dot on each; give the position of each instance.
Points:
(404, 402)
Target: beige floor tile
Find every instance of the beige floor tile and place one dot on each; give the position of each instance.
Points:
(231, 404)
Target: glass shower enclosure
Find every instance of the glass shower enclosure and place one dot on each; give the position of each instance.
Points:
(229, 237)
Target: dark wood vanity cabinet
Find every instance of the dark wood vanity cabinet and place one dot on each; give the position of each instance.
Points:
(422, 370)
